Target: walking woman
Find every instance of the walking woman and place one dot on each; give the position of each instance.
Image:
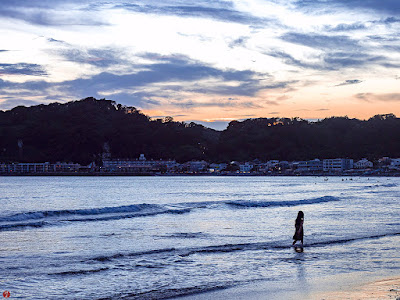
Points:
(298, 235)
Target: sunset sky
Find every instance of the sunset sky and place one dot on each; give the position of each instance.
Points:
(211, 61)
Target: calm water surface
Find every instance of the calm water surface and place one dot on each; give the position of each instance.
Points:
(160, 237)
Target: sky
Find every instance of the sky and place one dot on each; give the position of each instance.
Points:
(205, 61)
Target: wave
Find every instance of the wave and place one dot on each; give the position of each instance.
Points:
(42, 218)
(227, 248)
(169, 293)
(54, 217)
(80, 272)
(137, 208)
(282, 203)
(382, 185)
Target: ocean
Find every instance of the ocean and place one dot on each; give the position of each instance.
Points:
(164, 237)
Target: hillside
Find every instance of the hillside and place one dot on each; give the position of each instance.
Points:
(79, 131)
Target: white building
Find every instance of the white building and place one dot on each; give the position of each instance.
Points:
(363, 164)
(310, 166)
(337, 164)
(395, 162)
(195, 166)
(137, 165)
(217, 167)
(246, 167)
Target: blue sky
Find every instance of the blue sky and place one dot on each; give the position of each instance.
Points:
(211, 61)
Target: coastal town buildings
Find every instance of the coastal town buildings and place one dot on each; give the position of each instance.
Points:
(142, 166)
(246, 167)
(337, 164)
(312, 166)
(363, 164)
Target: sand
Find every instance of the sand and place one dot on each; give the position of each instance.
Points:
(381, 289)
(331, 288)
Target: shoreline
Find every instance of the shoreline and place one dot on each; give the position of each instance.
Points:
(345, 286)
(101, 174)
(386, 288)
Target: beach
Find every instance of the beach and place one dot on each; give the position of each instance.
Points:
(388, 288)
(199, 238)
(346, 287)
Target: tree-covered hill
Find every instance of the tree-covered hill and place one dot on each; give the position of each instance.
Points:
(80, 131)
(297, 139)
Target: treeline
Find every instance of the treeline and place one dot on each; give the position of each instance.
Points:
(81, 131)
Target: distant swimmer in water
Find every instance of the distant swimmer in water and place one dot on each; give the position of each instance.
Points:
(298, 235)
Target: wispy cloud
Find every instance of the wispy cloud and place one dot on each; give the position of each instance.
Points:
(22, 69)
(216, 10)
(320, 41)
(371, 97)
(349, 82)
(388, 6)
(97, 57)
(346, 27)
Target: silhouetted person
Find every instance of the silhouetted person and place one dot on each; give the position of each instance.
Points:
(298, 235)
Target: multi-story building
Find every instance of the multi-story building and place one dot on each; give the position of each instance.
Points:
(310, 166)
(337, 164)
(246, 167)
(395, 162)
(363, 164)
(141, 165)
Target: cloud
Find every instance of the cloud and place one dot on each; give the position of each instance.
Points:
(97, 57)
(371, 97)
(388, 6)
(334, 60)
(22, 69)
(338, 60)
(290, 60)
(167, 77)
(346, 27)
(349, 82)
(215, 103)
(319, 41)
(216, 10)
(11, 103)
(238, 42)
(47, 14)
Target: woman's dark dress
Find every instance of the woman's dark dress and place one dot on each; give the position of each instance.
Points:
(298, 235)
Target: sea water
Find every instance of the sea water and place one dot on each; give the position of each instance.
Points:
(163, 237)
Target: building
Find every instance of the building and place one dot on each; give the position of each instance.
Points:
(246, 167)
(38, 168)
(65, 167)
(363, 164)
(337, 164)
(23, 168)
(141, 165)
(215, 168)
(196, 166)
(310, 166)
(394, 164)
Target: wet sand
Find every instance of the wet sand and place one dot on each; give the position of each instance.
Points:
(381, 289)
(332, 288)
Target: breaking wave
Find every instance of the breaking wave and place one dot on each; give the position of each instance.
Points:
(54, 217)
(226, 248)
(282, 203)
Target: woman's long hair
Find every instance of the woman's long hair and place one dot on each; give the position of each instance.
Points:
(300, 217)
